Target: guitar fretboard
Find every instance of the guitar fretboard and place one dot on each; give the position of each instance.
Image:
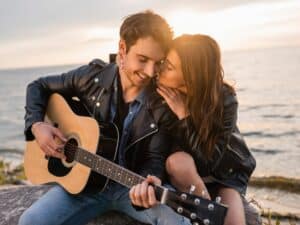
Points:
(108, 168)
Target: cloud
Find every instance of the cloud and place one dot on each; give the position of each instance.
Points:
(68, 31)
(19, 18)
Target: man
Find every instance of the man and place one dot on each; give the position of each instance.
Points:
(121, 93)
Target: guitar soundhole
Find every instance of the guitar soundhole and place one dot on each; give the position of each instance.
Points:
(70, 149)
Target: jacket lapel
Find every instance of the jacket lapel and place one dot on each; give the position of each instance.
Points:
(144, 123)
(106, 78)
(143, 126)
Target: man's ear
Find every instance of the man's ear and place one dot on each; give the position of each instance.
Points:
(122, 48)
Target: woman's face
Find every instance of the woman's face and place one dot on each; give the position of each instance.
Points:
(171, 74)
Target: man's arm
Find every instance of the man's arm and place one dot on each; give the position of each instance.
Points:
(68, 84)
(155, 156)
(143, 195)
(38, 92)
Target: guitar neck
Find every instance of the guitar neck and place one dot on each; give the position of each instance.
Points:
(128, 178)
(111, 170)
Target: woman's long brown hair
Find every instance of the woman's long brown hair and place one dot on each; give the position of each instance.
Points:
(203, 74)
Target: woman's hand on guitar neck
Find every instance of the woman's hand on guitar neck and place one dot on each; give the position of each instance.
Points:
(48, 137)
(143, 194)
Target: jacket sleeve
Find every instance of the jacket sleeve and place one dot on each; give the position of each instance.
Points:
(156, 155)
(38, 92)
(158, 149)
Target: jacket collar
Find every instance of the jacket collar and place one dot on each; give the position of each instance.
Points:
(110, 72)
(108, 75)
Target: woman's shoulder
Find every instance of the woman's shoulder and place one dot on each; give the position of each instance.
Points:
(229, 95)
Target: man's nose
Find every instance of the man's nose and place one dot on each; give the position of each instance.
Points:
(150, 70)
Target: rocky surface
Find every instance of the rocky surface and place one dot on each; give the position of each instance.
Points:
(15, 199)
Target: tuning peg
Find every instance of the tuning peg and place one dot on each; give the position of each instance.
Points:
(206, 222)
(210, 207)
(193, 216)
(195, 223)
(179, 209)
(218, 199)
(192, 189)
(197, 201)
(183, 196)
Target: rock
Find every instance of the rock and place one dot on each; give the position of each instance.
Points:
(15, 199)
(251, 214)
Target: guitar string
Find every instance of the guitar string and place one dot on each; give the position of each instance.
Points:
(110, 163)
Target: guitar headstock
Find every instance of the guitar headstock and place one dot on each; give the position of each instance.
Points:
(199, 210)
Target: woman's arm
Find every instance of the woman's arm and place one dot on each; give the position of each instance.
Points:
(187, 135)
(190, 141)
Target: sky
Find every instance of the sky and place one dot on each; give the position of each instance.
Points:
(58, 32)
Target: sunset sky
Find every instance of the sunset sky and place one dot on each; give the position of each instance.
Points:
(56, 32)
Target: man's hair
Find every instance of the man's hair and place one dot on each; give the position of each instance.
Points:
(146, 24)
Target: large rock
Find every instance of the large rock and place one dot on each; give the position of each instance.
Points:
(14, 200)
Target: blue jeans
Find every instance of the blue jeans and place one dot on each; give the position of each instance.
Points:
(57, 207)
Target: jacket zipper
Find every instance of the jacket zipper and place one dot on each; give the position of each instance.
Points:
(99, 96)
(146, 135)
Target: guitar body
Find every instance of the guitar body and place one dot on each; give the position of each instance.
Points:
(81, 131)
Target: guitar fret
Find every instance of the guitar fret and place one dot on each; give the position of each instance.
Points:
(97, 166)
(124, 178)
(105, 169)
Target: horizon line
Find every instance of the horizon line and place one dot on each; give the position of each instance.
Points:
(82, 63)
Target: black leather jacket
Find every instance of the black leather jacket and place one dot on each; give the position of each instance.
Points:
(92, 84)
(232, 163)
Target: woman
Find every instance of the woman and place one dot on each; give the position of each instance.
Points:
(214, 154)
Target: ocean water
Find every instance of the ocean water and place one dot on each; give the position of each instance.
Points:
(267, 83)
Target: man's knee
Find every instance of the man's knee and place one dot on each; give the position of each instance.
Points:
(29, 218)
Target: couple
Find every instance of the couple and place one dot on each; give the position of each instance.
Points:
(176, 117)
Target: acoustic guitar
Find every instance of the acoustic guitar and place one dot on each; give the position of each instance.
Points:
(90, 153)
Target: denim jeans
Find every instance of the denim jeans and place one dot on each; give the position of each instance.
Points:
(57, 207)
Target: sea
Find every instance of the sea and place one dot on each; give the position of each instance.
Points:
(267, 82)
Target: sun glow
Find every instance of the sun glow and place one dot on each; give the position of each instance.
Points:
(190, 22)
(257, 24)
(240, 27)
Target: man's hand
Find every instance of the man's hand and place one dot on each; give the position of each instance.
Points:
(46, 136)
(143, 194)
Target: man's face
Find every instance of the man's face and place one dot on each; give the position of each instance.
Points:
(142, 61)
